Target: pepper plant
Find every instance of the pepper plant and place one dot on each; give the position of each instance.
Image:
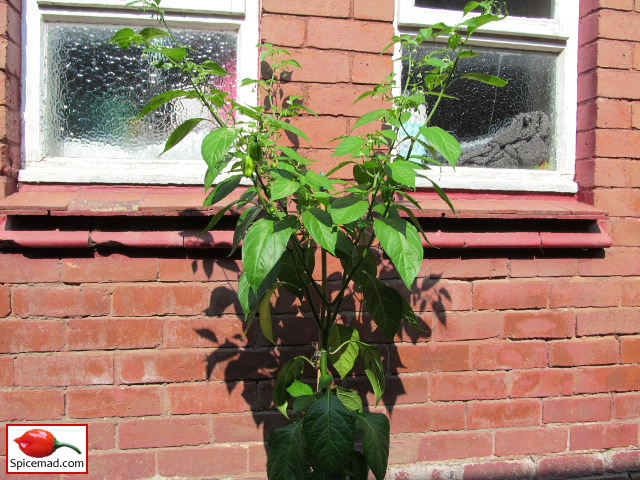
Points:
(292, 214)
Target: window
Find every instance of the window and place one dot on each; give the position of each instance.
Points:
(522, 136)
(82, 95)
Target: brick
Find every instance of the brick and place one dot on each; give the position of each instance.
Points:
(584, 293)
(542, 267)
(618, 202)
(625, 461)
(60, 302)
(198, 269)
(31, 405)
(587, 114)
(320, 130)
(114, 333)
(630, 349)
(254, 427)
(5, 301)
(576, 409)
(338, 100)
(450, 445)
(468, 386)
(370, 69)
(122, 465)
(281, 30)
(399, 389)
(626, 405)
(311, 8)
(528, 441)
(464, 268)
(468, 326)
(204, 332)
(18, 268)
(488, 294)
(620, 378)
(440, 295)
(6, 372)
(162, 366)
(540, 383)
(257, 458)
(112, 268)
(427, 418)
(314, 64)
(631, 293)
(64, 369)
(617, 143)
(626, 232)
(506, 355)
(588, 351)
(617, 261)
(635, 113)
(585, 141)
(539, 324)
(614, 54)
(31, 336)
(160, 299)
(196, 462)
(356, 35)
(163, 432)
(102, 435)
(512, 469)
(619, 25)
(619, 321)
(570, 466)
(114, 402)
(373, 10)
(503, 413)
(597, 436)
(431, 358)
(211, 397)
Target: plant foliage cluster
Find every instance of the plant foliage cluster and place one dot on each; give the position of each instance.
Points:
(291, 215)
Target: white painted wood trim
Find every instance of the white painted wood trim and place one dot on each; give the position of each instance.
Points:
(37, 168)
(230, 7)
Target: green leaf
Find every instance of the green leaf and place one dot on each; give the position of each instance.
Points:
(319, 225)
(221, 190)
(403, 172)
(347, 209)
(401, 241)
(264, 310)
(384, 304)
(123, 37)
(359, 468)
(345, 358)
(373, 369)
(151, 33)
(283, 187)
(246, 218)
(339, 166)
(289, 373)
(470, 6)
(370, 117)
(298, 389)
(180, 132)
(214, 68)
(291, 128)
(349, 399)
(215, 147)
(324, 381)
(300, 404)
(264, 244)
(444, 143)
(286, 459)
(329, 431)
(348, 146)
(442, 195)
(375, 441)
(409, 316)
(318, 180)
(160, 99)
(290, 275)
(175, 54)
(485, 78)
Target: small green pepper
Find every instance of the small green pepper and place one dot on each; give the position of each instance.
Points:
(255, 151)
(247, 166)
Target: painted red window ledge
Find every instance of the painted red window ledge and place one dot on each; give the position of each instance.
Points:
(480, 220)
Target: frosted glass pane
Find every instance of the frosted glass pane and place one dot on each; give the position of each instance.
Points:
(93, 91)
(517, 8)
(506, 127)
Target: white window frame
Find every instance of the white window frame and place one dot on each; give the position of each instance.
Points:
(558, 35)
(241, 16)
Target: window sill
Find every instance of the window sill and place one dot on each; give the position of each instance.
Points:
(479, 221)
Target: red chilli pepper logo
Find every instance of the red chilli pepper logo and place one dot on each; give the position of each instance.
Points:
(39, 443)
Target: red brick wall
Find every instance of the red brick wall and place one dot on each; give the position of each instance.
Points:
(10, 60)
(532, 367)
